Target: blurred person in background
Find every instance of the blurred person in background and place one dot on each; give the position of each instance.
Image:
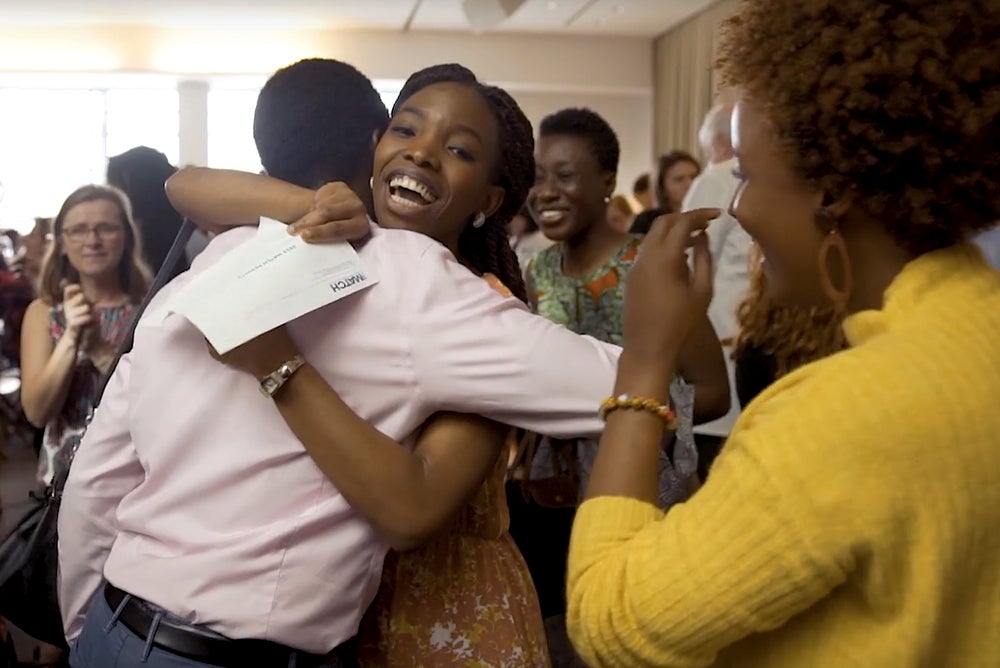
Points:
(620, 214)
(141, 173)
(729, 246)
(16, 293)
(989, 244)
(30, 250)
(525, 238)
(25, 267)
(642, 192)
(675, 173)
(728, 243)
(92, 277)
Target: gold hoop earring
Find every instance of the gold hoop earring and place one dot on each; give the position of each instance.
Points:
(837, 289)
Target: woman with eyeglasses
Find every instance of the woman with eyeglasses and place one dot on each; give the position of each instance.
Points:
(91, 279)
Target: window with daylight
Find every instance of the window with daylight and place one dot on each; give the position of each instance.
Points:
(230, 125)
(230, 129)
(56, 139)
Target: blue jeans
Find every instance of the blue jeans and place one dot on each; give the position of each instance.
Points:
(107, 643)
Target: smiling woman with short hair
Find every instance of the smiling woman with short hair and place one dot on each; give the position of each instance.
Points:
(851, 518)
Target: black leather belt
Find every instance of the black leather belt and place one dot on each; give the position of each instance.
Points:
(191, 644)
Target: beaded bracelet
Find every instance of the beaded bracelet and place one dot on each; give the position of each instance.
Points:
(625, 402)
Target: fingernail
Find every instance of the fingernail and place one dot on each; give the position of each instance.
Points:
(292, 230)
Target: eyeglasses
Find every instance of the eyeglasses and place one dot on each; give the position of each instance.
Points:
(80, 233)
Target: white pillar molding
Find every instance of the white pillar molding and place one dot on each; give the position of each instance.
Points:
(192, 98)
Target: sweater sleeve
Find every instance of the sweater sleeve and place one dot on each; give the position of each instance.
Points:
(648, 589)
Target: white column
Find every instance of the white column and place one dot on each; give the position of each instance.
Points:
(193, 131)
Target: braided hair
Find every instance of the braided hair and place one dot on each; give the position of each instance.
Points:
(487, 248)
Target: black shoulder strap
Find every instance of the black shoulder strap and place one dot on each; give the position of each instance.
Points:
(163, 276)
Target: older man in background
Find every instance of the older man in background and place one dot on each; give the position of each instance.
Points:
(715, 187)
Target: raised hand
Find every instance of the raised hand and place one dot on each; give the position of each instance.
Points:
(338, 214)
(78, 312)
(664, 295)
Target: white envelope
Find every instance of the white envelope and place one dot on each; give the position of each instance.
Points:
(266, 282)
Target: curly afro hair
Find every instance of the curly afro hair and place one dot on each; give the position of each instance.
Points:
(590, 126)
(792, 335)
(893, 101)
(487, 248)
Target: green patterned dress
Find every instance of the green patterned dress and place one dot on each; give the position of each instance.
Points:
(592, 305)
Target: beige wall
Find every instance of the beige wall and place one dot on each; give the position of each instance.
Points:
(614, 76)
(559, 61)
(630, 115)
(683, 78)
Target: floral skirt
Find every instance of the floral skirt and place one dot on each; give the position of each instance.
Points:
(457, 601)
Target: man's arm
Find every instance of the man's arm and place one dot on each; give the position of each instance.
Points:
(105, 469)
(477, 352)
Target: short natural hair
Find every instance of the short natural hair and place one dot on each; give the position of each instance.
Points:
(315, 120)
(893, 102)
(487, 248)
(134, 275)
(588, 125)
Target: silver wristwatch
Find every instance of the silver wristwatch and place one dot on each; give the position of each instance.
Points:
(275, 380)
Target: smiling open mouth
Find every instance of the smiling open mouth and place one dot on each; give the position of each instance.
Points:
(408, 191)
(551, 215)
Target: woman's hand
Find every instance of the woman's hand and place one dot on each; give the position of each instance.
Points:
(77, 310)
(338, 214)
(664, 297)
(260, 356)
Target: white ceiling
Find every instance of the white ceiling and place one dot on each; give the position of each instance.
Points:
(636, 18)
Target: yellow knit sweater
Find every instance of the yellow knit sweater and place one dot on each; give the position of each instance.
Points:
(853, 518)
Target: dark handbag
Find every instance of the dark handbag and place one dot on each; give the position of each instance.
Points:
(28, 565)
(29, 557)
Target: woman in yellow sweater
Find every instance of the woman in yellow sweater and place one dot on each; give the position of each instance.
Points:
(853, 517)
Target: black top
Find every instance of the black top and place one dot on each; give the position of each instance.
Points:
(755, 371)
(644, 220)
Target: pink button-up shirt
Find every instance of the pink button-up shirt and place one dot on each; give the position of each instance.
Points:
(190, 491)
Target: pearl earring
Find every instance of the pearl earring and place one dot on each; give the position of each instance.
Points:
(479, 220)
(607, 200)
